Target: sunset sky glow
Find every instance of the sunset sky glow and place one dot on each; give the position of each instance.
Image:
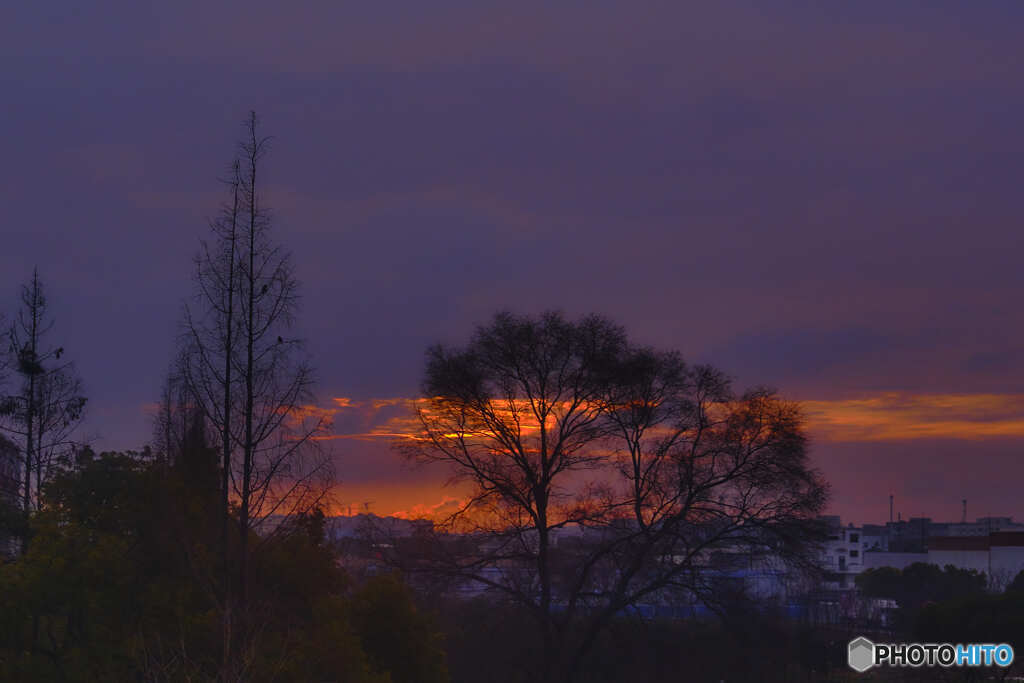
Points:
(819, 197)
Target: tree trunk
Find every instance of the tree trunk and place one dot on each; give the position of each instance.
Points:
(29, 444)
(550, 650)
(226, 427)
(30, 408)
(250, 333)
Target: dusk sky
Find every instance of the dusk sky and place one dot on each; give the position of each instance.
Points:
(824, 197)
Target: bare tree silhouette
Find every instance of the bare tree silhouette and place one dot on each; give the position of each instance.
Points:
(44, 413)
(602, 475)
(249, 375)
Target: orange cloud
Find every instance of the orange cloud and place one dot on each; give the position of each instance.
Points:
(415, 500)
(379, 403)
(899, 416)
(883, 417)
(436, 511)
(889, 416)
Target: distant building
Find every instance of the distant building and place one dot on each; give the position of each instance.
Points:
(367, 525)
(909, 536)
(874, 537)
(990, 545)
(896, 560)
(999, 555)
(843, 553)
(984, 526)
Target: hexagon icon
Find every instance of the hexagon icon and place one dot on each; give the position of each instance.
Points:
(861, 654)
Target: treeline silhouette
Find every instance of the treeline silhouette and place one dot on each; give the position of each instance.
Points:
(119, 583)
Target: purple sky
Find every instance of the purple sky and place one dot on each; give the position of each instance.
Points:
(820, 196)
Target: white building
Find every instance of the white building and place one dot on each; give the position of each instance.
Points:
(999, 555)
(843, 553)
(878, 559)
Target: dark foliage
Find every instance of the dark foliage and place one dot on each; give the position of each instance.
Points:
(120, 584)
